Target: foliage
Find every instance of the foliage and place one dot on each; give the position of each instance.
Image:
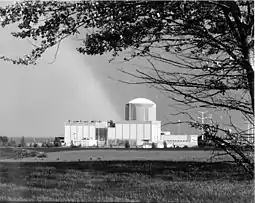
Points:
(42, 155)
(111, 124)
(127, 145)
(165, 144)
(231, 146)
(12, 143)
(22, 142)
(57, 142)
(72, 144)
(153, 146)
(216, 38)
(4, 140)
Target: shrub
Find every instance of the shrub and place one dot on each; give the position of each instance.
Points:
(153, 146)
(165, 144)
(57, 144)
(42, 155)
(185, 146)
(127, 145)
(33, 153)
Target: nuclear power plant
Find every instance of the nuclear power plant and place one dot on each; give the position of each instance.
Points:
(140, 127)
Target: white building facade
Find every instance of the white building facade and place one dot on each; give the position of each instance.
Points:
(140, 125)
(134, 132)
(80, 133)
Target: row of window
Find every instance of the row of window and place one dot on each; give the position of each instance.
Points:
(176, 140)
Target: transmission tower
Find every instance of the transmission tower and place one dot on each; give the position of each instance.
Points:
(203, 120)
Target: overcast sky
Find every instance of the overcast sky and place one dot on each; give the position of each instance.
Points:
(36, 101)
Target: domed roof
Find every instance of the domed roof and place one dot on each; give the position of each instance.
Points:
(141, 101)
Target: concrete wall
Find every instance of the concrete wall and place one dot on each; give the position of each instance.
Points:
(181, 140)
(136, 131)
(76, 132)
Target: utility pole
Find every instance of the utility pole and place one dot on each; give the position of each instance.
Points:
(203, 120)
(179, 127)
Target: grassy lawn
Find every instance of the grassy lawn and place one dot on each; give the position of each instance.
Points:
(130, 181)
(111, 154)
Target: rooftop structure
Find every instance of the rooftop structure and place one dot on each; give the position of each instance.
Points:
(140, 109)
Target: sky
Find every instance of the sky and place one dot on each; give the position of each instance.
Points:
(37, 100)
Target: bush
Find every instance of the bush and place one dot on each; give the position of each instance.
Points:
(32, 153)
(153, 146)
(185, 146)
(127, 145)
(57, 144)
(42, 155)
(165, 144)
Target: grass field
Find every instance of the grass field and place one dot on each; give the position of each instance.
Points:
(130, 181)
(110, 154)
(123, 176)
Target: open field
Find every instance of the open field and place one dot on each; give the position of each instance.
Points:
(134, 176)
(130, 181)
(100, 154)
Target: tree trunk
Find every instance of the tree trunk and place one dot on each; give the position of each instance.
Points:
(250, 77)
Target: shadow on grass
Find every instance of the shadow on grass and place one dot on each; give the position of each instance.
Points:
(22, 173)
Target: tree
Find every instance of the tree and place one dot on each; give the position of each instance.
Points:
(111, 124)
(165, 144)
(153, 146)
(127, 145)
(206, 47)
(4, 140)
(12, 143)
(22, 142)
(57, 142)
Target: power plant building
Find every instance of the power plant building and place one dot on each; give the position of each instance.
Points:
(140, 124)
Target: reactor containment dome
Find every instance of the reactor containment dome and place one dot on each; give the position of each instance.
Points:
(140, 109)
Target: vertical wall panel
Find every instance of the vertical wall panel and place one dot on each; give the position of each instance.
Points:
(153, 132)
(79, 133)
(67, 135)
(73, 132)
(119, 131)
(133, 131)
(147, 131)
(140, 131)
(126, 131)
(111, 133)
(92, 132)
